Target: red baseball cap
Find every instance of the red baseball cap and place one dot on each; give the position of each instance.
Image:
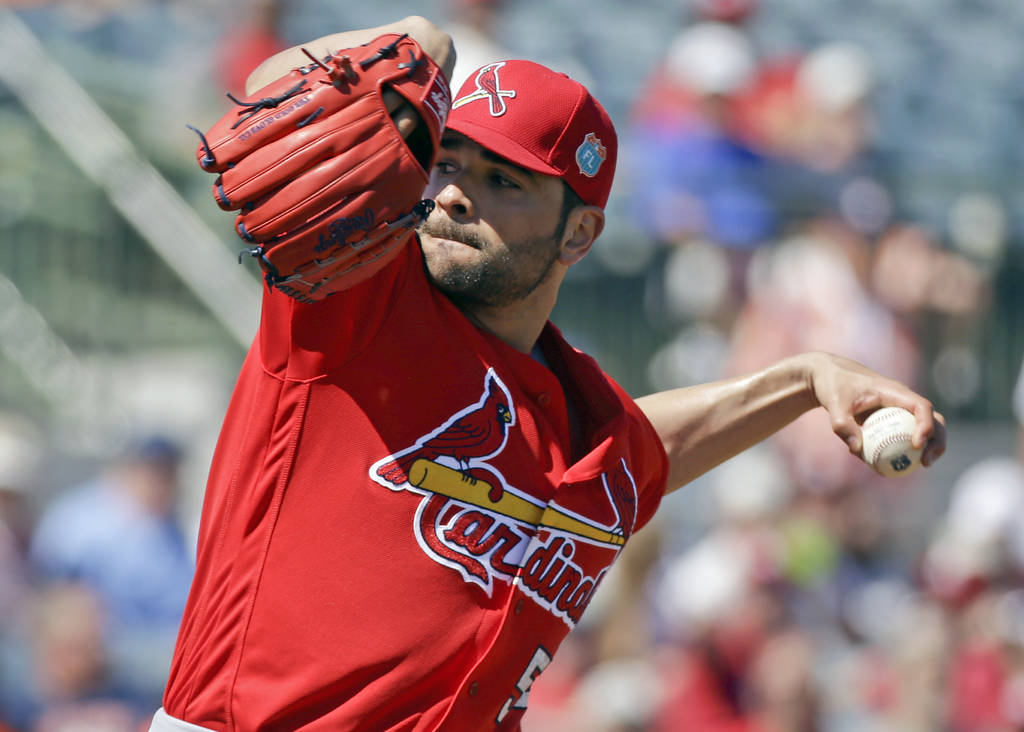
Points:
(541, 120)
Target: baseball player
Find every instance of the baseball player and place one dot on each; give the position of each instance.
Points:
(419, 484)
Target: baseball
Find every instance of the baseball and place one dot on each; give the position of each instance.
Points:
(887, 447)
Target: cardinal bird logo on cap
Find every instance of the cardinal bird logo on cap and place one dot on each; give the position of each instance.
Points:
(488, 86)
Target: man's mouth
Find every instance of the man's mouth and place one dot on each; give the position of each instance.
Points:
(453, 243)
(446, 236)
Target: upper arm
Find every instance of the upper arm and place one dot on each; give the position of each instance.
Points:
(661, 413)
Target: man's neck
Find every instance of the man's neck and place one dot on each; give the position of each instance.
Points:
(518, 326)
(520, 323)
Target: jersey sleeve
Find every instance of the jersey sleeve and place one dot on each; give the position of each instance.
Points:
(648, 452)
(304, 341)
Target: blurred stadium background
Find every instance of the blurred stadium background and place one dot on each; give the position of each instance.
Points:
(118, 322)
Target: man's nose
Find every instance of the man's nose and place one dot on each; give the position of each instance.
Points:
(455, 201)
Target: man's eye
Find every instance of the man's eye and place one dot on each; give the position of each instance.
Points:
(503, 181)
(444, 167)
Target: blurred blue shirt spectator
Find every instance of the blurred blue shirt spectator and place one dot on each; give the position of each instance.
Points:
(57, 677)
(700, 182)
(118, 536)
(692, 175)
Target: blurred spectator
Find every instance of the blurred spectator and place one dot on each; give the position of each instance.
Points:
(691, 173)
(831, 108)
(811, 293)
(64, 683)
(723, 612)
(814, 112)
(973, 565)
(913, 274)
(698, 188)
(118, 535)
(711, 683)
(985, 668)
(977, 545)
(942, 291)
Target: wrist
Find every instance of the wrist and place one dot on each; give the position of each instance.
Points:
(802, 371)
(435, 42)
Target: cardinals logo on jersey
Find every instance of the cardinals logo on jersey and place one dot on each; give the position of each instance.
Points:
(466, 440)
(473, 520)
(488, 86)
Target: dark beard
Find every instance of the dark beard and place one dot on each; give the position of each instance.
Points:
(498, 280)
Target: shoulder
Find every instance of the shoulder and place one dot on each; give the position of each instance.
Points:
(644, 445)
(604, 392)
(304, 341)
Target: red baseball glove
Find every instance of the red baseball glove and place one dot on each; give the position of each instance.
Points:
(327, 188)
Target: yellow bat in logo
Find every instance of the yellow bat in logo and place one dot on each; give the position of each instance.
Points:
(442, 480)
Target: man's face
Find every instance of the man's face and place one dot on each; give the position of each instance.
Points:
(494, 235)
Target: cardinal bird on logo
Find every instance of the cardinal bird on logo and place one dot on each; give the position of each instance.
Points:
(488, 86)
(468, 437)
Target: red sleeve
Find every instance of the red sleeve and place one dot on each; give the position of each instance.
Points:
(303, 341)
(649, 457)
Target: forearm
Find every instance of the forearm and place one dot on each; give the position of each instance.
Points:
(434, 42)
(703, 426)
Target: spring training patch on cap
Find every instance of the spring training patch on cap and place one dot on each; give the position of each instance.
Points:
(590, 154)
(488, 86)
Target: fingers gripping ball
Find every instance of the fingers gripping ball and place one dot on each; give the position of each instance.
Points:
(887, 442)
(326, 187)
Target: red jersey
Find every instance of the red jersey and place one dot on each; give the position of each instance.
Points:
(398, 529)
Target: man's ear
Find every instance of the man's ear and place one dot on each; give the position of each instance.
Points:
(583, 225)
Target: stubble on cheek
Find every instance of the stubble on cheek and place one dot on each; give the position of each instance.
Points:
(476, 272)
(458, 270)
(455, 257)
